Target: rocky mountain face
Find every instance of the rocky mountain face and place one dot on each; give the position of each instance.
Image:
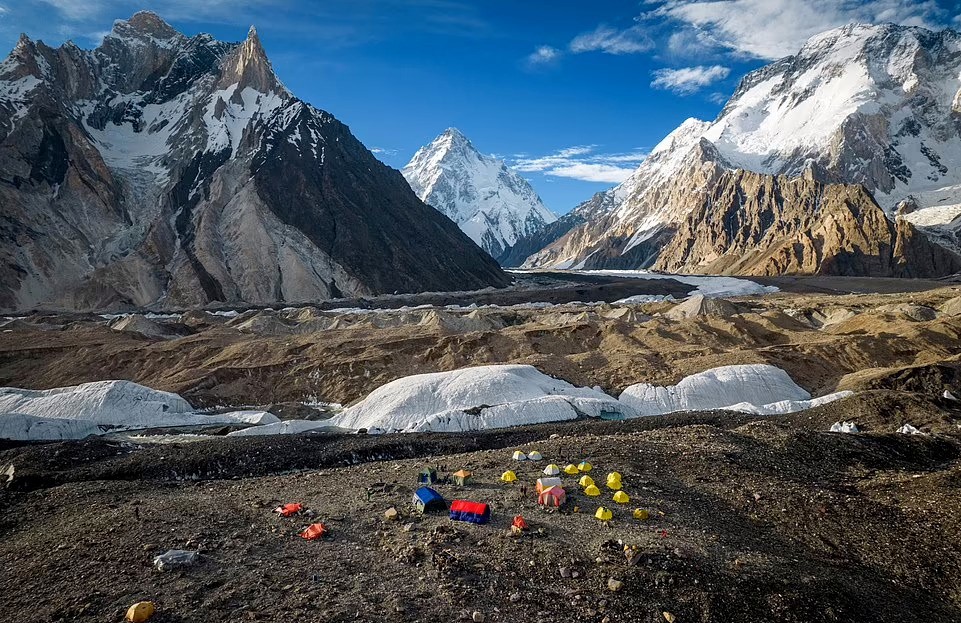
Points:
(492, 204)
(850, 149)
(170, 171)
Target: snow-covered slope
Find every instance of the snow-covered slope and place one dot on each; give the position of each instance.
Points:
(512, 395)
(160, 169)
(475, 399)
(754, 388)
(100, 407)
(492, 204)
(878, 106)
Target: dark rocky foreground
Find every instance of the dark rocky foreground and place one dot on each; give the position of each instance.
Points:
(752, 519)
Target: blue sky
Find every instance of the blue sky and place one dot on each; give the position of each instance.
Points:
(571, 93)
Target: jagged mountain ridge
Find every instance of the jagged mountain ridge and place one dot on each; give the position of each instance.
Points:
(492, 204)
(878, 106)
(171, 171)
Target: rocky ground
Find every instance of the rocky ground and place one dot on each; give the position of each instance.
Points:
(751, 519)
(825, 340)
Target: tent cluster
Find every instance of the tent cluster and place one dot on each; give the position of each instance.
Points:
(533, 455)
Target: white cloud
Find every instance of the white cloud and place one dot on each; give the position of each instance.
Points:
(687, 80)
(771, 29)
(612, 41)
(382, 151)
(582, 162)
(544, 55)
(588, 172)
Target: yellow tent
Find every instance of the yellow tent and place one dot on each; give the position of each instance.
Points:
(571, 470)
(584, 466)
(614, 481)
(640, 513)
(508, 476)
(592, 491)
(519, 456)
(621, 498)
(603, 514)
(552, 470)
(586, 481)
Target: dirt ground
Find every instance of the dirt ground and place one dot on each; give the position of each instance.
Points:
(263, 357)
(750, 520)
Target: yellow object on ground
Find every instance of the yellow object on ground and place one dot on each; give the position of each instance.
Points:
(603, 514)
(571, 470)
(508, 476)
(140, 611)
(585, 481)
(552, 470)
(584, 466)
(614, 481)
(621, 498)
(642, 514)
(592, 491)
(614, 476)
(519, 456)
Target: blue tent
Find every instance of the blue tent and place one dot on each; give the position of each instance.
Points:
(426, 499)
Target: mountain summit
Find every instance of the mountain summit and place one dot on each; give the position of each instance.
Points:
(169, 171)
(492, 204)
(805, 171)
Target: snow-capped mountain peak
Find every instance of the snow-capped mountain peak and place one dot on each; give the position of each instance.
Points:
(492, 204)
(161, 169)
(862, 105)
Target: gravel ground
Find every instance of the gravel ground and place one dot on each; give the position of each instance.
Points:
(751, 520)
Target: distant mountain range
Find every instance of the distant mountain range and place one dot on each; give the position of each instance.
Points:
(171, 171)
(492, 204)
(842, 159)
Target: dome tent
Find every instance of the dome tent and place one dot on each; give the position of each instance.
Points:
(427, 476)
(603, 514)
(552, 496)
(592, 491)
(552, 470)
(534, 455)
(508, 476)
(462, 477)
(519, 456)
(584, 466)
(621, 498)
(544, 483)
(426, 499)
(571, 470)
(586, 481)
(614, 481)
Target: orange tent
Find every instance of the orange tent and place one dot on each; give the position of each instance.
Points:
(287, 510)
(314, 531)
(519, 523)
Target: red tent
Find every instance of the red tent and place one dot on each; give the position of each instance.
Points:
(289, 509)
(314, 531)
(472, 512)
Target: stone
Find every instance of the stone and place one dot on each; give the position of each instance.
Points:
(478, 617)
(614, 585)
(391, 514)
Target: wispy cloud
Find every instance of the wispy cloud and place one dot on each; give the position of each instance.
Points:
(771, 29)
(582, 162)
(381, 151)
(687, 80)
(613, 41)
(543, 55)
